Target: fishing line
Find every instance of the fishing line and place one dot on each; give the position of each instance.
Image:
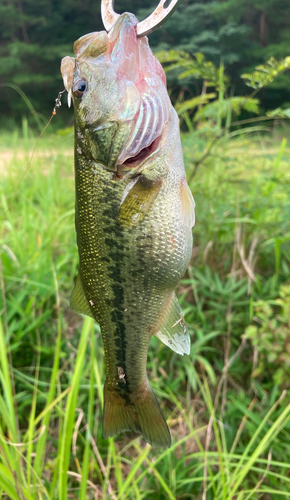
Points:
(57, 105)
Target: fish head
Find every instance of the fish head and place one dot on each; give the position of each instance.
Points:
(119, 93)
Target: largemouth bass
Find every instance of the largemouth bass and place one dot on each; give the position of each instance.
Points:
(134, 214)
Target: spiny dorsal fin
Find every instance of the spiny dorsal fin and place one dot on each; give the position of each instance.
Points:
(174, 332)
(78, 301)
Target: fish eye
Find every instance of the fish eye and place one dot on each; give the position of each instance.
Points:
(80, 87)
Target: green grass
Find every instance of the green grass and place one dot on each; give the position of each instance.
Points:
(230, 429)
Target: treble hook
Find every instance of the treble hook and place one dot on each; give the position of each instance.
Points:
(150, 24)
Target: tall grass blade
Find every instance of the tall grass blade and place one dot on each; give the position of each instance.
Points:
(69, 418)
(6, 385)
(8, 412)
(39, 118)
(46, 414)
(87, 451)
(242, 470)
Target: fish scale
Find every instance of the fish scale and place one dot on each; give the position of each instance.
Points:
(133, 223)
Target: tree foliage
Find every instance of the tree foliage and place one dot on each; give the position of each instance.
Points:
(35, 35)
(266, 73)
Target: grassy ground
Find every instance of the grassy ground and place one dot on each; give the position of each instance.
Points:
(226, 404)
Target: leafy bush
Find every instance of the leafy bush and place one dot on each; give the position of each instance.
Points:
(271, 339)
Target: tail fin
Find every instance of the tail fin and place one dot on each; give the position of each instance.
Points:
(142, 414)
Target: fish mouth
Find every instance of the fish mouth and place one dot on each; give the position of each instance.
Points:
(140, 157)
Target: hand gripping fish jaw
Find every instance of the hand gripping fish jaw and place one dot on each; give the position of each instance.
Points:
(163, 10)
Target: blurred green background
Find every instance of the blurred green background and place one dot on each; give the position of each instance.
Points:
(35, 35)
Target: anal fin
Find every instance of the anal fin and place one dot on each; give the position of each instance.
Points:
(174, 332)
(78, 301)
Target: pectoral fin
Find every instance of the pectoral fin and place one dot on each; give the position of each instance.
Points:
(174, 332)
(187, 205)
(78, 302)
(138, 200)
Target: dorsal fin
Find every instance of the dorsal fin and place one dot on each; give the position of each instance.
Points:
(174, 332)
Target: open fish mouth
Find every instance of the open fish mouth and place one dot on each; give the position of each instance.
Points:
(143, 155)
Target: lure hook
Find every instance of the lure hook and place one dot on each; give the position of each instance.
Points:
(58, 101)
(150, 24)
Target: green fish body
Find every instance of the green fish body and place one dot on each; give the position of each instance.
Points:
(134, 214)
